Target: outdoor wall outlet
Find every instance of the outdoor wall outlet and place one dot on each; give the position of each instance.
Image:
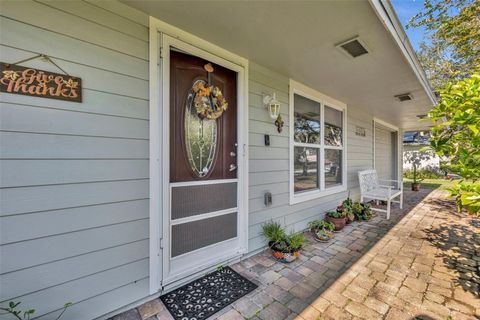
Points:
(268, 199)
(267, 139)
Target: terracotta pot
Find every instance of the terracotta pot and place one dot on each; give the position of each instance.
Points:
(415, 186)
(338, 222)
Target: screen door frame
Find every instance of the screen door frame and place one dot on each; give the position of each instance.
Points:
(164, 270)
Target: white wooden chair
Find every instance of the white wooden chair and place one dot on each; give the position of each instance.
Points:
(370, 188)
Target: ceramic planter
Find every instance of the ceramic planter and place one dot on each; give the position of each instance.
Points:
(338, 222)
(282, 256)
(285, 257)
(327, 236)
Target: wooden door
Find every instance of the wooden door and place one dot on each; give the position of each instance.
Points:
(185, 70)
(204, 216)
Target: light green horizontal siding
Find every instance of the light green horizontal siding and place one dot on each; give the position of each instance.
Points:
(74, 176)
(269, 166)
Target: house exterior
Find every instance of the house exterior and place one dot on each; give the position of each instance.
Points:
(416, 141)
(109, 202)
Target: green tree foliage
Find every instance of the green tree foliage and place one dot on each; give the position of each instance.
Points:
(453, 49)
(456, 135)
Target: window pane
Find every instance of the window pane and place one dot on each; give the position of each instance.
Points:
(307, 120)
(305, 168)
(333, 168)
(333, 127)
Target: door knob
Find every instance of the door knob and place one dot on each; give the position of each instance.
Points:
(233, 167)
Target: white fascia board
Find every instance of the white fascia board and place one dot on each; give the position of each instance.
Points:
(386, 13)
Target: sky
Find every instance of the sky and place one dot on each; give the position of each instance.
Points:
(405, 10)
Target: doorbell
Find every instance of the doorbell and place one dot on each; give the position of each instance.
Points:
(267, 139)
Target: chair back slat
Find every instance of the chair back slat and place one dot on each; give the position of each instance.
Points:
(368, 180)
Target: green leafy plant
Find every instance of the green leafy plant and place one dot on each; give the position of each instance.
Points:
(362, 211)
(336, 214)
(350, 216)
(12, 309)
(295, 241)
(278, 240)
(347, 203)
(273, 232)
(467, 196)
(317, 225)
(357, 209)
(456, 136)
(367, 212)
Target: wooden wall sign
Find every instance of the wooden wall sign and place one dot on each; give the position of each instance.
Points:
(360, 131)
(39, 83)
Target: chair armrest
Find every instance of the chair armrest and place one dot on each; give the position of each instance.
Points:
(398, 182)
(386, 187)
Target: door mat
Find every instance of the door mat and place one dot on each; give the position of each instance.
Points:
(203, 297)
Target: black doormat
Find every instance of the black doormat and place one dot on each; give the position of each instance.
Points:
(203, 297)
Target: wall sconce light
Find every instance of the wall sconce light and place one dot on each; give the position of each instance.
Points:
(273, 106)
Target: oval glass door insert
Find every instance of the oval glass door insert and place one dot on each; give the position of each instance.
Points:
(200, 137)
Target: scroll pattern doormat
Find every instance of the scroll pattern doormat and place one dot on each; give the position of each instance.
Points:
(203, 297)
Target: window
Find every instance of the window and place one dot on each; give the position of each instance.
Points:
(317, 142)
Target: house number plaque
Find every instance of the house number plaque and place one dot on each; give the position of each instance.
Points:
(39, 83)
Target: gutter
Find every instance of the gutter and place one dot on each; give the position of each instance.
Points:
(387, 15)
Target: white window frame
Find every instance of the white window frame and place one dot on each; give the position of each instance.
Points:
(309, 93)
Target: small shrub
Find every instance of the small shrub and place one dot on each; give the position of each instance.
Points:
(296, 241)
(336, 214)
(273, 232)
(317, 225)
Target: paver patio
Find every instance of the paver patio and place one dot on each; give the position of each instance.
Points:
(423, 263)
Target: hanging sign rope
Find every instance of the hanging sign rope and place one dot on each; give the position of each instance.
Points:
(16, 79)
(209, 100)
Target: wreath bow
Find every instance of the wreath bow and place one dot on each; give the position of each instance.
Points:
(209, 101)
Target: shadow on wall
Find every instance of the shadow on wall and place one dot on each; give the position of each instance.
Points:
(457, 241)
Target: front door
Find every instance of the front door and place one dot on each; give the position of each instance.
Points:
(203, 217)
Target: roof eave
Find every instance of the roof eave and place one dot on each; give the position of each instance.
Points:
(387, 15)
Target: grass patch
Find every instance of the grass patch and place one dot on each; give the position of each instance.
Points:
(431, 183)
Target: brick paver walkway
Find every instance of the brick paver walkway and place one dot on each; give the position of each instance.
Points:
(423, 263)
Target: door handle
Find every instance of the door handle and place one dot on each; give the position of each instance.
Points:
(233, 167)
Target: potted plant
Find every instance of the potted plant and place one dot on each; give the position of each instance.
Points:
(367, 212)
(415, 158)
(285, 248)
(357, 210)
(337, 218)
(346, 208)
(322, 230)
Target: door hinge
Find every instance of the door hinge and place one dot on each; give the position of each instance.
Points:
(161, 243)
(161, 52)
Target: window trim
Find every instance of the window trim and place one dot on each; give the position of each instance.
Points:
(309, 93)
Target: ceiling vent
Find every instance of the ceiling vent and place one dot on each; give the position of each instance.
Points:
(354, 47)
(404, 97)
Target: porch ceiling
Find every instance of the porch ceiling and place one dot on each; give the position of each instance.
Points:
(297, 39)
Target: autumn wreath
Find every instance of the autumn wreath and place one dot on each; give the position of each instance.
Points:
(209, 101)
